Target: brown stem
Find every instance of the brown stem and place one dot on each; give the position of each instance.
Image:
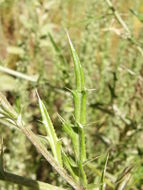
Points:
(41, 148)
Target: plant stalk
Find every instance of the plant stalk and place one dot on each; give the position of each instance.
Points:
(130, 38)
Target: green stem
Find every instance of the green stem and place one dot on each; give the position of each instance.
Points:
(83, 108)
(79, 97)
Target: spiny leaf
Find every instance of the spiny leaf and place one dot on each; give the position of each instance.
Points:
(77, 67)
(67, 127)
(68, 165)
(79, 97)
(55, 144)
(74, 136)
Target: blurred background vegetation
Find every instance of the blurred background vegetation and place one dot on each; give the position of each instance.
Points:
(33, 41)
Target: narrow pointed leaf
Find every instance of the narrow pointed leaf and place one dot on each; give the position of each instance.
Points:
(68, 165)
(79, 97)
(55, 144)
(74, 136)
(103, 173)
(77, 67)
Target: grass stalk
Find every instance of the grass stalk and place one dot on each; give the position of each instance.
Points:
(130, 37)
(118, 17)
(18, 74)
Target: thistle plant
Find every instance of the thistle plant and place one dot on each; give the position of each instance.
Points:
(74, 174)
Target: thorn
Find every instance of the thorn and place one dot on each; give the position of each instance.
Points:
(90, 90)
(69, 89)
(60, 117)
(91, 160)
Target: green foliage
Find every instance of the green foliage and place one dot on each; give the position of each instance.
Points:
(34, 55)
(10, 115)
